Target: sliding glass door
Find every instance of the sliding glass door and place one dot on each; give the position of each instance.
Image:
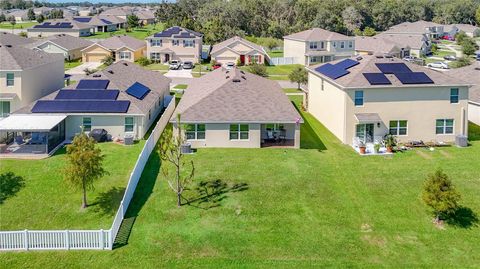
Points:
(365, 132)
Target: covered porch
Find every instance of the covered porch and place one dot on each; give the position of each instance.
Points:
(31, 136)
(280, 135)
(368, 133)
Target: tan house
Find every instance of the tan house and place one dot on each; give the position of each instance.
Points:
(419, 44)
(102, 23)
(235, 109)
(27, 75)
(360, 100)
(123, 47)
(70, 47)
(58, 27)
(317, 46)
(471, 74)
(430, 29)
(237, 49)
(365, 45)
(175, 43)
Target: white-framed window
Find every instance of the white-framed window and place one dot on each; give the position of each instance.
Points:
(454, 96)
(255, 59)
(87, 124)
(239, 131)
(313, 45)
(350, 44)
(155, 55)
(10, 79)
(342, 44)
(358, 98)
(160, 101)
(175, 42)
(4, 109)
(129, 124)
(189, 43)
(149, 114)
(315, 59)
(155, 42)
(195, 131)
(398, 127)
(124, 54)
(275, 127)
(444, 126)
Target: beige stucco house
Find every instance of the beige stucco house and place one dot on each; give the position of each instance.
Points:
(70, 47)
(236, 109)
(27, 75)
(419, 44)
(430, 29)
(58, 27)
(365, 98)
(237, 49)
(175, 43)
(470, 74)
(102, 23)
(124, 48)
(317, 46)
(374, 45)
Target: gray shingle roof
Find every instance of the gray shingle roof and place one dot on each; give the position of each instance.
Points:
(418, 27)
(11, 39)
(230, 41)
(471, 74)
(317, 34)
(20, 58)
(234, 96)
(67, 42)
(403, 41)
(116, 42)
(375, 44)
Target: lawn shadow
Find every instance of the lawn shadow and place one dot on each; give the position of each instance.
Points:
(210, 194)
(107, 202)
(463, 217)
(124, 232)
(473, 132)
(10, 184)
(309, 139)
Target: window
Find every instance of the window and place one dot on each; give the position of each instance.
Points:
(129, 124)
(195, 131)
(4, 109)
(238, 131)
(334, 44)
(358, 98)
(10, 79)
(398, 127)
(156, 42)
(87, 124)
(322, 45)
(350, 44)
(315, 59)
(155, 55)
(175, 42)
(342, 44)
(255, 59)
(275, 127)
(454, 96)
(188, 43)
(444, 126)
(313, 45)
(160, 101)
(124, 55)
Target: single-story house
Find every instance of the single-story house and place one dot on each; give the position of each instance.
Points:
(470, 74)
(120, 47)
(365, 45)
(60, 26)
(419, 44)
(14, 40)
(102, 23)
(470, 30)
(237, 49)
(236, 109)
(71, 47)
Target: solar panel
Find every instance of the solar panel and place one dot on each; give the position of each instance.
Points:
(87, 95)
(331, 71)
(347, 63)
(392, 68)
(138, 90)
(82, 19)
(106, 21)
(377, 78)
(64, 106)
(93, 84)
(414, 78)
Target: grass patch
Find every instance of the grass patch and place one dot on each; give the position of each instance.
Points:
(473, 132)
(277, 72)
(180, 86)
(275, 53)
(18, 25)
(139, 33)
(319, 206)
(443, 53)
(292, 90)
(157, 66)
(72, 64)
(47, 202)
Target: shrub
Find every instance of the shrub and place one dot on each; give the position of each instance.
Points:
(463, 61)
(258, 69)
(440, 194)
(143, 61)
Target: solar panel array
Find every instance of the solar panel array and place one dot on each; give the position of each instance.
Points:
(93, 84)
(401, 71)
(83, 20)
(138, 90)
(414, 78)
(377, 78)
(106, 21)
(53, 26)
(392, 68)
(87, 95)
(337, 70)
(169, 32)
(75, 106)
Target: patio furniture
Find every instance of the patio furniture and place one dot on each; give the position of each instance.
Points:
(270, 136)
(37, 138)
(19, 140)
(282, 135)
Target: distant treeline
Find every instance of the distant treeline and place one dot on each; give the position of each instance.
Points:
(22, 4)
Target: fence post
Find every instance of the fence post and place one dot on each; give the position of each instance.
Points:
(67, 240)
(102, 243)
(25, 239)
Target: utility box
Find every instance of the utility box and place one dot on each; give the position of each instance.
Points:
(461, 141)
(128, 139)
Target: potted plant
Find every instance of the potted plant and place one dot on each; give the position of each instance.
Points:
(390, 142)
(376, 148)
(362, 147)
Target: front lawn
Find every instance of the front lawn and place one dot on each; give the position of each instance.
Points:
(139, 33)
(277, 72)
(275, 53)
(72, 64)
(47, 202)
(18, 25)
(319, 206)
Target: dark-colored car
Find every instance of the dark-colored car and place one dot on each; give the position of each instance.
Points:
(188, 65)
(100, 135)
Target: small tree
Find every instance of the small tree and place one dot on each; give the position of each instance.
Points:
(108, 60)
(369, 31)
(271, 43)
(12, 21)
(440, 194)
(31, 14)
(132, 21)
(23, 34)
(171, 151)
(89, 71)
(143, 61)
(468, 47)
(299, 75)
(40, 18)
(258, 69)
(84, 164)
(463, 61)
(2, 17)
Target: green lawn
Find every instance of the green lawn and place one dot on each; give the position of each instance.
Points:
(140, 33)
(277, 72)
(181, 86)
(18, 25)
(443, 53)
(72, 64)
(320, 206)
(292, 90)
(47, 202)
(157, 66)
(275, 53)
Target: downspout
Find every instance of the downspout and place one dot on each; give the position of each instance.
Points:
(463, 121)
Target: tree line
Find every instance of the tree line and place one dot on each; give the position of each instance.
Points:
(221, 19)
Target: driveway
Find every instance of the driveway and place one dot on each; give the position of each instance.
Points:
(79, 69)
(181, 73)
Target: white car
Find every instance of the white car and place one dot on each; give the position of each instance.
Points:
(439, 65)
(409, 58)
(174, 65)
(229, 65)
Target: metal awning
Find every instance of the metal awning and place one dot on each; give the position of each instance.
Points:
(7, 96)
(367, 117)
(30, 123)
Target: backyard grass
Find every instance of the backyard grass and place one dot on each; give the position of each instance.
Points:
(18, 25)
(72, 64)
(180, 86)
(47, 202)
(275, 53)
(292, 90)
(277, 72)
(319, 206)
(139, 33)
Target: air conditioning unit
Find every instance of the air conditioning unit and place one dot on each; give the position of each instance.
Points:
(461, 141)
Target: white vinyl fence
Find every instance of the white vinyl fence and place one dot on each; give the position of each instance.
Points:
(283, 60)
(88, 239)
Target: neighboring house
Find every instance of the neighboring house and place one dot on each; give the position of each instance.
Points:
(45, 11)
(118, 12)
(317, 46)
(237, 49)
(145, 16)
(470, 74)
(19, 15)
(27, 75)
(236, 109)
(56, 27)
(175, 43)
(120, 47)
(378, 45)
(102, 23)
(362, 99)
(419, 45)
(470, 30)
(124, 99)
(12, 39)
(70, 47)
(430, 29)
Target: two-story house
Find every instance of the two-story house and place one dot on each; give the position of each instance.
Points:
(27, 75)
(430, 29)
(175, 43)
(317, 46)
(362, 99)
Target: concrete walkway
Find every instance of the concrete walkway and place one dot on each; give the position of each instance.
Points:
(79, 69)
(182, 73)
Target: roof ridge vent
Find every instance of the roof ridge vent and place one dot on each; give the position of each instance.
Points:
(244, 77)
(359, 58)
(236, 80)
(125, 64)
(110, 71)
(227, 77)
(97, 75)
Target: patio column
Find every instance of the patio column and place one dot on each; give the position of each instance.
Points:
(297, 136)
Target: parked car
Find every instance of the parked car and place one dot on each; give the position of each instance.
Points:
(409, 58)
(175, 65)
(216, 66)
(447, 37)
(229, 65)
(439, 65)
(188, 65)
(450, 58)
(478, 57)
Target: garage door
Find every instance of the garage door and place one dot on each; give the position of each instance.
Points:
(224, 60)
(95, 57)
